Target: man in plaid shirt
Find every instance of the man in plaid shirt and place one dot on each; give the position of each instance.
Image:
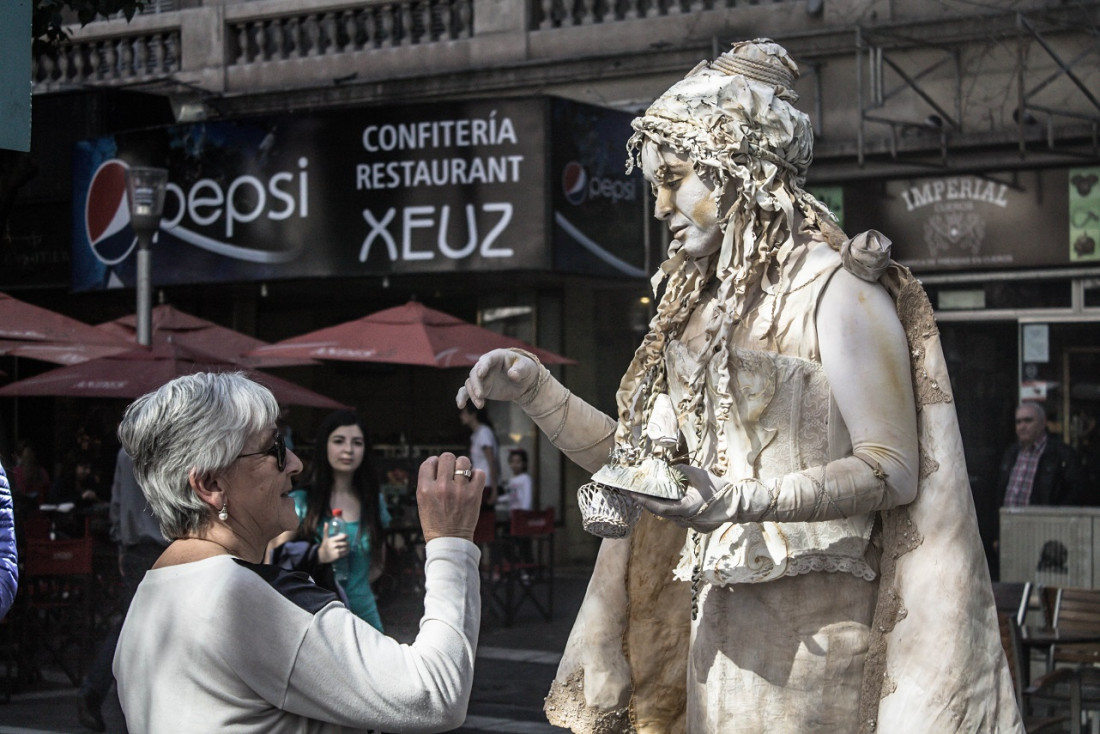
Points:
(1039, 469)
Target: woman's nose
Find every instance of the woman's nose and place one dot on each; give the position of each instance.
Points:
(662, 208)
(294, 465)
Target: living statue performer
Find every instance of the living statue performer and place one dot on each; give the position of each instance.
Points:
(811, 562)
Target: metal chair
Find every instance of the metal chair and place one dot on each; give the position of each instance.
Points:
(1012, 642)
(56, 609)
(1073, 676)
(528, 563)
(494, 597)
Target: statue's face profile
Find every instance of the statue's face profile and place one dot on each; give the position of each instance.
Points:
(684, 199)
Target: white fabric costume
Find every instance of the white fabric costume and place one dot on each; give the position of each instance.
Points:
(833, 568)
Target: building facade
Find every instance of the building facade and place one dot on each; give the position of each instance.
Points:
(968, 133)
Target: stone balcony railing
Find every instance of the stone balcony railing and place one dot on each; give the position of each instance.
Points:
(252, 56)
(229, 47)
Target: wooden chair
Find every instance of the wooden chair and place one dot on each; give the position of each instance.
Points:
(1076, 611)
(1013, 597)
(1011, 640)
(1073, 676)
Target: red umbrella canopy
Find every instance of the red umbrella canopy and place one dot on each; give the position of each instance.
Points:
(409, 334)
(39, 333)
(132, 374)
(169, 324)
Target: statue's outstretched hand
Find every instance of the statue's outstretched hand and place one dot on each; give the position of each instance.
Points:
(501, 374)
(702, 487)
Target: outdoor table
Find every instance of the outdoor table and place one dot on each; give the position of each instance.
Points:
(1046, 637)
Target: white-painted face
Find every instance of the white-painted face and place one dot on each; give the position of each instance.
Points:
(683, 199)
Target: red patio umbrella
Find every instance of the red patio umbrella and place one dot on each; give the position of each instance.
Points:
(39, 333)
(409, 334)
(171, 324)
(138, 371)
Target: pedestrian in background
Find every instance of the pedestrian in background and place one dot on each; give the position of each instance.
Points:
(518, 494)
(344, 479)
(9, 557)
(140, 543)
(29, 480)
(484, 449)
(1039, 469)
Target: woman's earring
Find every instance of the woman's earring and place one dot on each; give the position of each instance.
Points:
(224, 514)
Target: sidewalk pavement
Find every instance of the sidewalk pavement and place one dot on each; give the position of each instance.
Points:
(512, 676)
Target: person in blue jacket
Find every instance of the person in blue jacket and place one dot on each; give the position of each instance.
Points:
(343, 478)
(9, 558)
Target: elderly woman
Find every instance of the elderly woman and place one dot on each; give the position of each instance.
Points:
(216, 641)
(832, 576)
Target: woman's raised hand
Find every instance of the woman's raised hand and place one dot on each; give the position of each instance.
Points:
(502, 374)
(448, 495)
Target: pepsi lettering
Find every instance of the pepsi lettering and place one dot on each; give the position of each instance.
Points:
(578, 187)
(205, 203)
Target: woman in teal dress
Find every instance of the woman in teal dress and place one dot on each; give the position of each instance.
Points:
(342, 478)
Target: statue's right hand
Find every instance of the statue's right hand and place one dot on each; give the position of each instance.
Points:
(501, 374)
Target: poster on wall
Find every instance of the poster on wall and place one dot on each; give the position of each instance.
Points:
(427, 188)
(599, 211)
(1084, 214)
(993, 220)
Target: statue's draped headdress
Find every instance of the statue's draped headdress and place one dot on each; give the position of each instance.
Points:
(735, 120)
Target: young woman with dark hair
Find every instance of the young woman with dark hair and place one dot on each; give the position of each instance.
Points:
(342, 478)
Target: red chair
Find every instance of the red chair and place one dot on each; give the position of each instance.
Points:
(56, 608)
(526, 564)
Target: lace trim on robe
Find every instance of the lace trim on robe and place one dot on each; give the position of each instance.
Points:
(781, 424)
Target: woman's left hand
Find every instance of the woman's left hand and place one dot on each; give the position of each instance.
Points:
(332, 546)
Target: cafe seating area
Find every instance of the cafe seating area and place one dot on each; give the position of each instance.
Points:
(1051, 636)
(68, 585)
(517, 571)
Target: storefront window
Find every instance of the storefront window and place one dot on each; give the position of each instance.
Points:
(1003, 294)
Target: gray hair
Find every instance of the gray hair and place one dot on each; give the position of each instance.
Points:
(1038, 410)
(197, 423)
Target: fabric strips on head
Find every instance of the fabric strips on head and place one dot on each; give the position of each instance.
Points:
(735, 120)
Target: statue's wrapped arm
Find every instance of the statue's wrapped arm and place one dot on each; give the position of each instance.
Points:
(577, 429)
(866, 361)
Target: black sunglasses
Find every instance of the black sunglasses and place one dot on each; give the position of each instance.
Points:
(278, 450)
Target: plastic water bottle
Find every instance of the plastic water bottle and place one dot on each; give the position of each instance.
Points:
(340, 566)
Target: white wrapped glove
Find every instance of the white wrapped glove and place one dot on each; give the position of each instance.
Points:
(580, 431)
(843, 488)
(702, 487)
(502, 374)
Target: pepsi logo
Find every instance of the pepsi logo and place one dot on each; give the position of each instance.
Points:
(574, 183)
(107, 214)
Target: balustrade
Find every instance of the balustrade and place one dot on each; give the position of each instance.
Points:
(101, 53)
(549, 14)
(338, 31)
(106, 60)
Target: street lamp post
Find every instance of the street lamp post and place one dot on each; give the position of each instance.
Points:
(145, 187)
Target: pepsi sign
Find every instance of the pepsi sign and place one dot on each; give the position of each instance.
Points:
(337, 193)
(107, 214)
(425, 188)
(599, 210)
